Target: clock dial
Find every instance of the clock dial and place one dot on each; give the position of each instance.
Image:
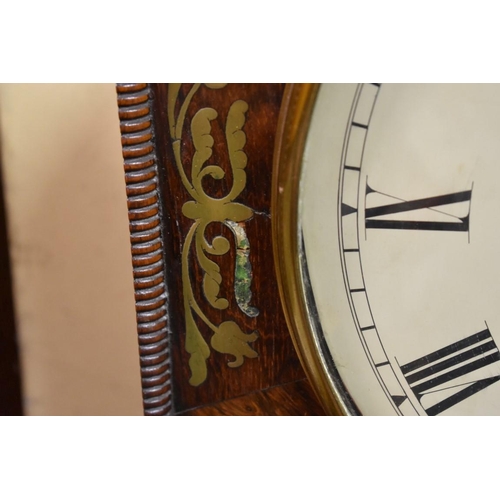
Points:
(397, 217)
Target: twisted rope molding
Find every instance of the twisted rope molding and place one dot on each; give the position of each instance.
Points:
(141, 177)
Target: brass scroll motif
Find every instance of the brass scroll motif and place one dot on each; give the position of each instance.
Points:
(227, 338)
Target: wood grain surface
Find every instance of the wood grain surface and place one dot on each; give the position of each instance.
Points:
(294, 398)
(277, 362)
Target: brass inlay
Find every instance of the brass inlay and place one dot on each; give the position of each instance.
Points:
(227, 338)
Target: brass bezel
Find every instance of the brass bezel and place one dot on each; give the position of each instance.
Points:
(293, 126)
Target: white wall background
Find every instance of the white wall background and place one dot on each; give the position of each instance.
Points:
(70, 250)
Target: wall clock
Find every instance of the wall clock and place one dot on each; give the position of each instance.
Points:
(386, 244)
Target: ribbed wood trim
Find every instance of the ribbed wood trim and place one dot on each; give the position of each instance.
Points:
(141, 176)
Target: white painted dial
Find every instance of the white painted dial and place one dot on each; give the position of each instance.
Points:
(400, 197)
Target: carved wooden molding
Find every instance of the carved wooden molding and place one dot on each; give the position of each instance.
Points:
(141, 176)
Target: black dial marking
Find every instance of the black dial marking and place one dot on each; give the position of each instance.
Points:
(459, 224)
(427, 374)
(347, 210)
(399, 400)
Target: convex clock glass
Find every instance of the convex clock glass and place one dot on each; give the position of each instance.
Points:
(397, 244)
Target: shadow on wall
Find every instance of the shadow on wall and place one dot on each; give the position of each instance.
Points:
(70, 249)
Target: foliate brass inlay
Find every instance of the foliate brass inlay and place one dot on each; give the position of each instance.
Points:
(227, 338)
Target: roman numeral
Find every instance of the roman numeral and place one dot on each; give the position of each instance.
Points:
(434, 372)
(454, 224)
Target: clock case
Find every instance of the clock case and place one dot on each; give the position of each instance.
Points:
(213, 339)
